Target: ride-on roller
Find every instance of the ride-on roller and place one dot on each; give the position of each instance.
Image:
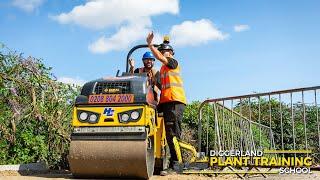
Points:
(117, 130)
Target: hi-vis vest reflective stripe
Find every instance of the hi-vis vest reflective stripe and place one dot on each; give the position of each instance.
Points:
(171, 85)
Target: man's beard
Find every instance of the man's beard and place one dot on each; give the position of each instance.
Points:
(148, 65)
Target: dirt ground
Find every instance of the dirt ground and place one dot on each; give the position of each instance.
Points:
(58, 175)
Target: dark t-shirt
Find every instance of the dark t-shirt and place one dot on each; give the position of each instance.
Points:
(172, 63)
(136, 70)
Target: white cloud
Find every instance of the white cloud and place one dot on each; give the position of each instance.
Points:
(133, 17)
(195, 32)
(125, 37)
(183, 34)
(100, 14)
(241, 27)
(72, 81)
(27, 5)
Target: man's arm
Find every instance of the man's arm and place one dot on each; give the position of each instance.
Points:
(131, 64)
(131, 70)
(155, 51)
(158, 54)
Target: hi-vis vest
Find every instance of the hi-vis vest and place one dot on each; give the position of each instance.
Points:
(171, 85)
(151, 75)
(153, 71)
(152, 80)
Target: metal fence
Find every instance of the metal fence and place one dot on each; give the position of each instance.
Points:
(279, 120)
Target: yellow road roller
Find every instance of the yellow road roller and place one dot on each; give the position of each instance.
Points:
(117, 130)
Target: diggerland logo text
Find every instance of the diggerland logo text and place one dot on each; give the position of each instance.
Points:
(286, 164)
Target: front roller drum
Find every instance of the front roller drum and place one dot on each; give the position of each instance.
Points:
(111, 158)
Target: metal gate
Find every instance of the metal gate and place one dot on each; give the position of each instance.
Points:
(277, 122)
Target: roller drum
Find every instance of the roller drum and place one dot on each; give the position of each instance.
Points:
(111, 158)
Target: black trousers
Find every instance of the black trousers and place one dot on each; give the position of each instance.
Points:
(173, 114)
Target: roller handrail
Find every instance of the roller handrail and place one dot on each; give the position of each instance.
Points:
(132, 50)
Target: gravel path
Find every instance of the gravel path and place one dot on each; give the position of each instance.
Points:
(66, 175)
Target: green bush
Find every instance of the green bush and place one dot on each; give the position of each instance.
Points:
(35, 112)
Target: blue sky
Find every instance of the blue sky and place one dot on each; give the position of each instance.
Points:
(225, 48)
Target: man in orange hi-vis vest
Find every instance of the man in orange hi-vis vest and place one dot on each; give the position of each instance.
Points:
(172, 98)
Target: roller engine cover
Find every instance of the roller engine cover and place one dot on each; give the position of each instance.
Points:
(136, 84)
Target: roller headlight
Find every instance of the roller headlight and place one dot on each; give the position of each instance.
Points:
(93, 118)
(87, 116)
(130, 116)
(124, 117)
(83, 116)
(135, 115)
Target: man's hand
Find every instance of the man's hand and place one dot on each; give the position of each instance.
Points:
(150, 38)
(131, 63)
(154, 50)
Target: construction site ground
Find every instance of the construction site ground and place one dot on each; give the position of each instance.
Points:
(67, 175)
